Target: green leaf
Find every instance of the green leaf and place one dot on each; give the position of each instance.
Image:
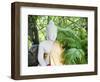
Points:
(74, 56)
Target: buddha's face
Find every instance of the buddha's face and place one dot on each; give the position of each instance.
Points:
(51, 31)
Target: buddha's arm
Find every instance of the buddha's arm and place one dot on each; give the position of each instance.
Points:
(41, 59)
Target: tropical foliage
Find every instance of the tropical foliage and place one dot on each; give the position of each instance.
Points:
(72, 35)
